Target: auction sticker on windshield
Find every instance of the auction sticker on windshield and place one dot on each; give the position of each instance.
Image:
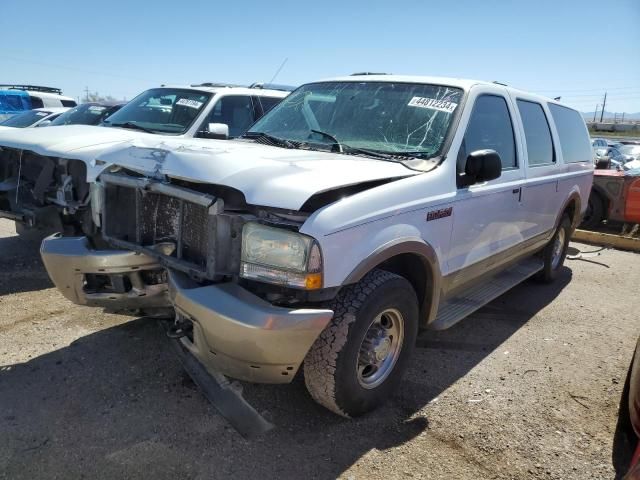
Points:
(189, 103)
(433, 104)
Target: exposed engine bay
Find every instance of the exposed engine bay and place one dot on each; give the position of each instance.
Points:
(44, 192)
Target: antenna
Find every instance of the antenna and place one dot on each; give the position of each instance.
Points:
(278, 71)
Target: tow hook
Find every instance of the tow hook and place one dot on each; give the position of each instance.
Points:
(180, 328)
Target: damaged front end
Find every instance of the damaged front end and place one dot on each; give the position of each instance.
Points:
(44, 192)
(230, 324)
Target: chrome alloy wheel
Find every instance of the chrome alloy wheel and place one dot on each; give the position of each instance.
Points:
(380, 348)
(558, 248)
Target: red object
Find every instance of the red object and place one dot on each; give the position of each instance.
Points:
(632, 204)
(620, 192)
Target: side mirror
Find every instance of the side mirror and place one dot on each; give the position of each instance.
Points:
(44, 123)
(217, 131)
(482, 166)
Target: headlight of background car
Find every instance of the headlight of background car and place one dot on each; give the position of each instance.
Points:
(275, 255)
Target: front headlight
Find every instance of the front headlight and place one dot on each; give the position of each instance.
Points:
(279, 256)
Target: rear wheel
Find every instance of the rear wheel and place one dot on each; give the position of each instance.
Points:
(595, 211)
(556, 251)
(358, 360)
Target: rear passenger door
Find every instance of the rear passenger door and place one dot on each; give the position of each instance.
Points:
(487, 215)
(540, 197)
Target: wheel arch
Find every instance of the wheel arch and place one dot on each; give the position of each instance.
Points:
(572, 206)
(412, 259)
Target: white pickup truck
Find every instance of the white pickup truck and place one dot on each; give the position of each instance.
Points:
(45, 173)
(357, 211)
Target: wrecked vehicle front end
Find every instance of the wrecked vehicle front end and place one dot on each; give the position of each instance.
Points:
(196, 232)
(49, 192)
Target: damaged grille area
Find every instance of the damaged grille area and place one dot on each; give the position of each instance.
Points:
(184, 229)
(31, 183)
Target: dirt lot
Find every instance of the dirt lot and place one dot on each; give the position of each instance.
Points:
(526, 388)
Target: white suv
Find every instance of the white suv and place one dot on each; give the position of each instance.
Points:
(45, 173)
(357, 211)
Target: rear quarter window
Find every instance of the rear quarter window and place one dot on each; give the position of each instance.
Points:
(574, 137)
(36, 102)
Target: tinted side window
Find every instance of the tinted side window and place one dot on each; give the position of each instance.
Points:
(490, 127)
(36, 102)
(536, 132)
(68, 103)
(574, 138)
(234, 110)
(267, 103)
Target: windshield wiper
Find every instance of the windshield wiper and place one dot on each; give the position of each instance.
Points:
(348, 149)
(132, 125)
(280, 142)
(416, 154)
(363, 151)
(330, 137)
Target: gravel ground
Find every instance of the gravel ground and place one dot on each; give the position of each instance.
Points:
(526, 388)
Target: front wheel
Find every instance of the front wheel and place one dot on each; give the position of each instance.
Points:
(358, 360)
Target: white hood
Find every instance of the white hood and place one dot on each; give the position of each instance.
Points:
(268, 176)
(79, 142)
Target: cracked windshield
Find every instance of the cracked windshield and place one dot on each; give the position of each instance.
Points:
(395, 119)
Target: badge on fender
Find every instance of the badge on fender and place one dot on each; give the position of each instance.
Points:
(436, 214)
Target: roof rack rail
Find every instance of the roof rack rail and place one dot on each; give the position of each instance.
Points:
(33, 88)
(358, 74)
(215, 84)
(500, 83)
(273, 86)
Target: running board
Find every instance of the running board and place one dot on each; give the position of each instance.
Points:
(464, 304)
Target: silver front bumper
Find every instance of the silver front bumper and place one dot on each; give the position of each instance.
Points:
(241, 335)
(69, 260)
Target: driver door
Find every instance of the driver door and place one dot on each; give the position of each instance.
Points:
(487, 220)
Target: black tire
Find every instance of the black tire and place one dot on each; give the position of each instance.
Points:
(331, 366)
(595, 211)
(550, 270)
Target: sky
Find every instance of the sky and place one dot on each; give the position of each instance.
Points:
(576, 49)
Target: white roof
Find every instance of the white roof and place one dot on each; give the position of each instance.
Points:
(257, 92)
(453, 82)
(51, 109)
(47, 95)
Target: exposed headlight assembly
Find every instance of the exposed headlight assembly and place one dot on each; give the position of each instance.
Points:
(279, 256)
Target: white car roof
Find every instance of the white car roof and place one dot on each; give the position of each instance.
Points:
(53, 96)
(51, 109)
(257, 92)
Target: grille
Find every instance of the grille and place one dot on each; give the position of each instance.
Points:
(147, 219)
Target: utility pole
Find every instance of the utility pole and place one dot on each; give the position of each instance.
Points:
(622, 117)
(604, 104)
(595, 112)
(86, 93)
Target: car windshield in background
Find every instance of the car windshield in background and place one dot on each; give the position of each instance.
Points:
(86, 114)
(25, 119)
(399, 119)
(161, 110)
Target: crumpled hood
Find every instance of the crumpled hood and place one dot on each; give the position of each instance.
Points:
(266, 175)
(80, 142)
